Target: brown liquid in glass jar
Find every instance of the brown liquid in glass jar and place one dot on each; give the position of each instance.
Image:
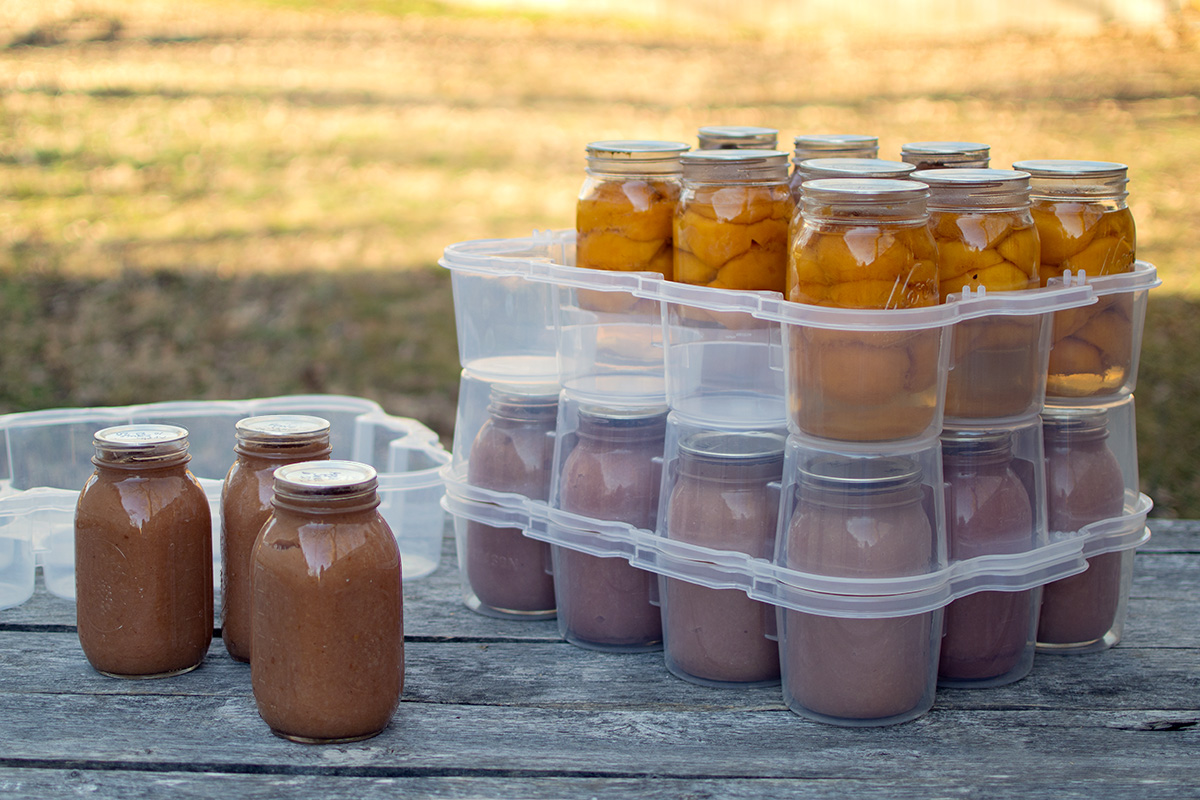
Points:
(862, 518)
(987, 635)
(611, 474)
(143, 556)
(328, 623)
(263, 444)
(509, 573)
(1084, 484)
(723, 499)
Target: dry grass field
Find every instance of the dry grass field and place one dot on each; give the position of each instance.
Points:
(227, 199)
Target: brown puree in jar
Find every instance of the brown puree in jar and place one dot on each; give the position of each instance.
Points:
(863, 518)
(509, 573)
(723, 499)
(1084, 484)
(143, 556)
(328, 623)
(989, 511)
(612, 473)
(263, 443)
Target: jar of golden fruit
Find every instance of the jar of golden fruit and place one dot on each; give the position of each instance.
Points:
(986, 239)
(731, 223)
(625, 207)
(863, 244)
(954, 155)
(1085, 227)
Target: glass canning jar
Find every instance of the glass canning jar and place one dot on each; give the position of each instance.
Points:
(988, 636)
(143, 556)
(860, 518)
(263, 443)
(726, 497)
(507, 573)
(1084, 225)
(327, 638)
(863, 244)
(1084, 484)
(986, 238)
(835, 145)
(954, 155)
(611, 473)
(731, 223)
(624, 211)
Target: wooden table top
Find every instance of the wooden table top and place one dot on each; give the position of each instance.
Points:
(506, 709)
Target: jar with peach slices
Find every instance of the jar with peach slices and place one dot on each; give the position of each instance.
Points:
(986, 240)
(1085, 227)
(624, 212)
(863, 244)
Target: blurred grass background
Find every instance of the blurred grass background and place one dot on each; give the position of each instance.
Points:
(220, 199)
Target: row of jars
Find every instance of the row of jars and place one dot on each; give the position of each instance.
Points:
(861, 516)
(311, 573)
(870, 234)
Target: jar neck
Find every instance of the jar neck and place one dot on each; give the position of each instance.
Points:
(312, 449)
(859, 201)
(630, 158)
(1077, 181)
(172, 461)
(734, 168)
(834, 146)
(327, 505)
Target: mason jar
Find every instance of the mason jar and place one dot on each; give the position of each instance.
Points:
(835, 145)
(143, 555)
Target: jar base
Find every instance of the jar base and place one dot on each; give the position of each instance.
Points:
(291, 737)
(719, 684)
(607, 647)
(150, 677)
(1105, 642)
(479, 607)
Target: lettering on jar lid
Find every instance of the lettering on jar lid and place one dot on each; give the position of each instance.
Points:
(325, 474)
(282, 424)
(140, 435)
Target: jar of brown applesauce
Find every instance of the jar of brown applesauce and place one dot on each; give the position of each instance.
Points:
(327, 636)
(986, 239)
(836, 145)
(508, 574)
(263, 443)
(143, 556)
(727, 498)
(1085, 226)
(863, 243)
(612, 473)
(736, 137)
(860, 518)
(951, 155)
(1084, 484)
(731, 223)
(988, 636)
(625, 208)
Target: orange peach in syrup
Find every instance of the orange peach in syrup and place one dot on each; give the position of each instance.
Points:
(733, 237)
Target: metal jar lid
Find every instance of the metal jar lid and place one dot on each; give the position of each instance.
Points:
(734, 166)
(975, 188)
(946, 153)
(728, 137)
(315, 480)
(523, 401)
(851, 475)
(743, 448)
(817, 168)
(969, 443)
(833, 145)
(282, 429)
(140, 442)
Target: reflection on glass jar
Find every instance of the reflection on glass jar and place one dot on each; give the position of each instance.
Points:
(986, 239)
(725, 498)
(508, 574)
(988, 636)
(1084, 484)
(1085, 226)
(612, 473)
(864, 244)
(860, 518)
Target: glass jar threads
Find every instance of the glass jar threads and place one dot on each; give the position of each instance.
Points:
(736, 137)
(726, 497)
(143, 555)
(863, 244)
(625, 207)
(328, 623)
(860, 518)
(986, 239)
(988, 636)
(1085, 226)
(263, 444)
(731, 224)
(508, 574)
(835, 145)
(1084, 484)
(611, 473)
(940, 155)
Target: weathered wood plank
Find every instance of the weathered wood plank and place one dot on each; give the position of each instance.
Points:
(216, 734)
(37, 784)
